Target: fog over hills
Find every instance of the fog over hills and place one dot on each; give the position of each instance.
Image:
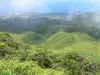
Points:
(51, 22)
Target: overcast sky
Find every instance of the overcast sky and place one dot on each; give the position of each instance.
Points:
(49, 5)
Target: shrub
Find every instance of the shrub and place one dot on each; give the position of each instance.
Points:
(4, 49)
(42, 59)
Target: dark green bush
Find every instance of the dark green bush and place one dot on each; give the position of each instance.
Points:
(43, 60)
(4, 50)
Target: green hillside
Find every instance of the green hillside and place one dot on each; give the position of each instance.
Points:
(59, 54)
(28, 37)
(62, 39)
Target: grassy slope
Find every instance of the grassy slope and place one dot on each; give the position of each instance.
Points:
(84, 44)
(63, 42)
(63, 39)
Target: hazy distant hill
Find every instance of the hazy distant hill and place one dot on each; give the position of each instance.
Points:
(51, 22)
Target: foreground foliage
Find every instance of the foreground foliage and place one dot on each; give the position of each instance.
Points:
(47, 59)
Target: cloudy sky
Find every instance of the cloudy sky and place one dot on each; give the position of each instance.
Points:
(49, 5)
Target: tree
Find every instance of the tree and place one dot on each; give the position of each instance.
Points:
(4, 49)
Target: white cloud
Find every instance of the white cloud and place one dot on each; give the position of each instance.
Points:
(95, 5)
(40, 6)
(30, 5)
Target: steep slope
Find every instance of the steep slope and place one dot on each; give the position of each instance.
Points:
(62, 39)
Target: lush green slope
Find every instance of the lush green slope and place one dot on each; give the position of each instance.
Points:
(28, 37)
(69, 54)
(62, 39)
